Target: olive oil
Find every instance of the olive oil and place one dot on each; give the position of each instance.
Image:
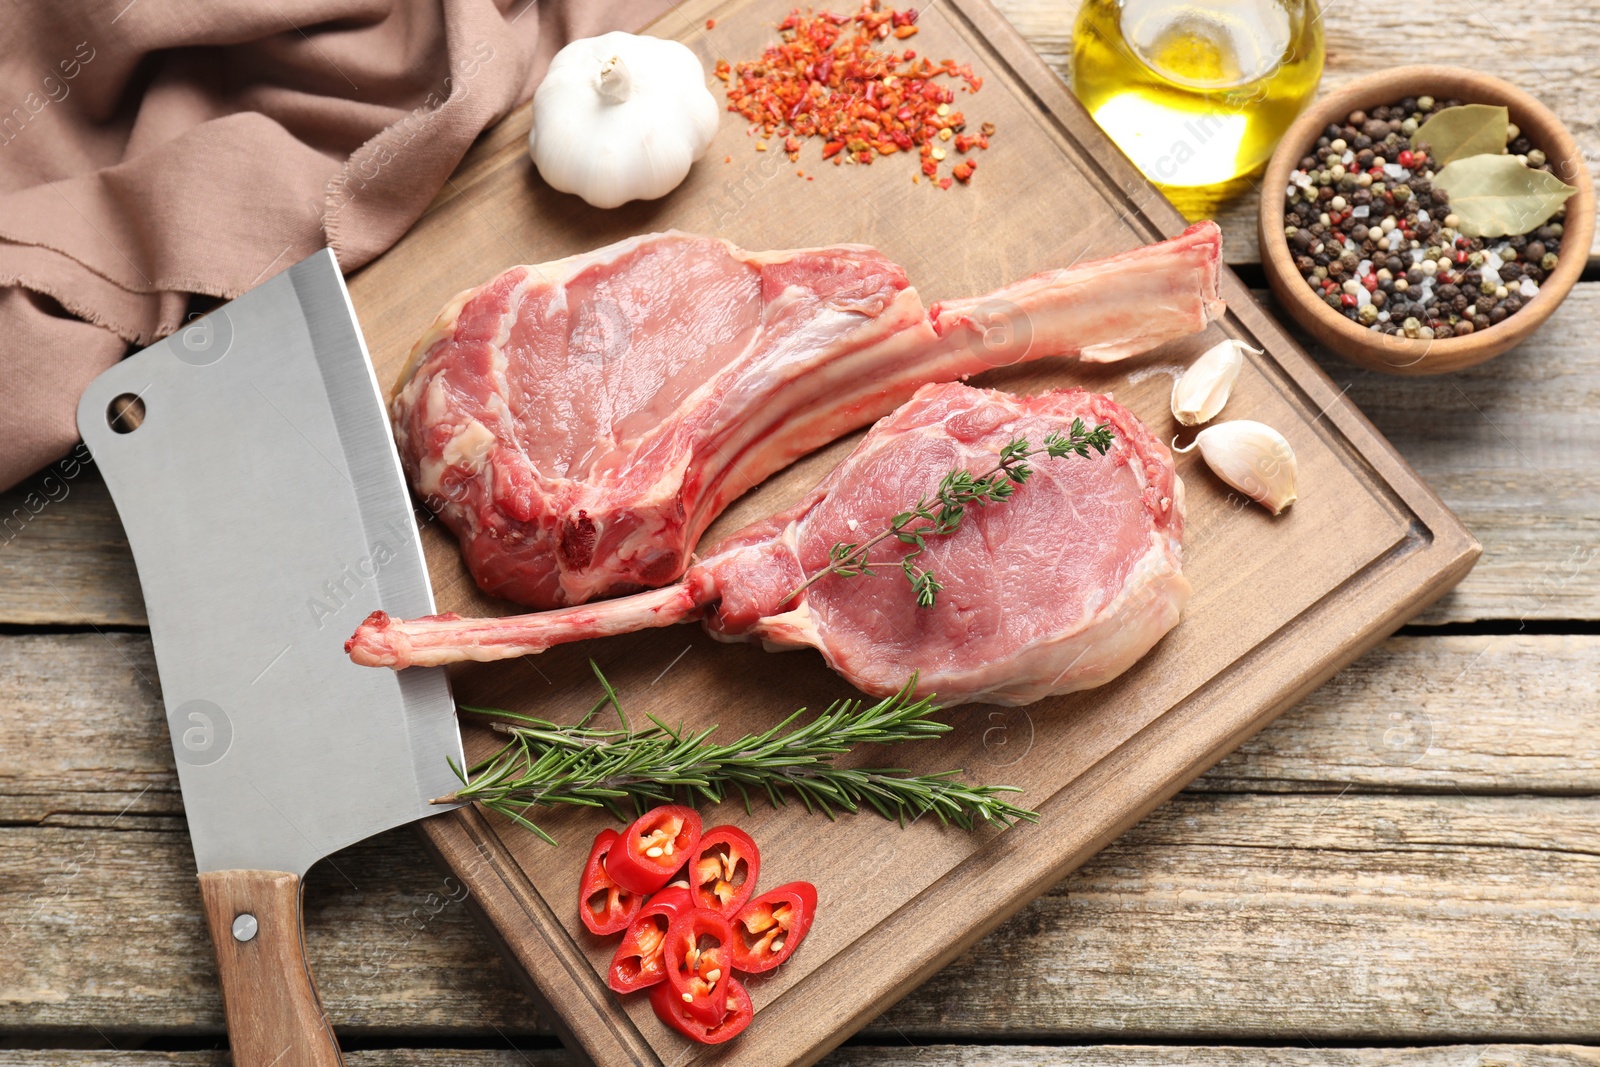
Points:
(1197, 93)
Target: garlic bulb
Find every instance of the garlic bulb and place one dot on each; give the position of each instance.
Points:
(1253, 458)
(1200, 391)
(621, 117)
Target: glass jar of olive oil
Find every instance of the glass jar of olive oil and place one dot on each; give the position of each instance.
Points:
(1197, 93)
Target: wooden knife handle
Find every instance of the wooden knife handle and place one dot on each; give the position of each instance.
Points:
(275, 1018)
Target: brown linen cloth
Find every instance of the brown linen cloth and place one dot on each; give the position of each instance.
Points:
(154, 149)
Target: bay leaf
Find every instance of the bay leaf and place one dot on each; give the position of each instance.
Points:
(1496, 196)
(1458, 132)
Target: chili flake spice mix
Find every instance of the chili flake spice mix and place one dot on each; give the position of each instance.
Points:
(827, 77)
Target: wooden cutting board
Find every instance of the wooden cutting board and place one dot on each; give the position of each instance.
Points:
(1279, 604)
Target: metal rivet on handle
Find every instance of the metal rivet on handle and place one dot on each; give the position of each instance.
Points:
(244, 927)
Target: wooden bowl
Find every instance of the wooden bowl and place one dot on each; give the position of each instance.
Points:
(1402, 355)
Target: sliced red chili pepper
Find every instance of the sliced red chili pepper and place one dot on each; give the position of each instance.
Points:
(670, 1009)
(769, 928)
(699, 962)
(604, 906)
(654, 847)
(722, 875)
(637, 964)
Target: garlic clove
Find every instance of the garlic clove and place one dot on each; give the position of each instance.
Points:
(1253, 458)
(1200, 391)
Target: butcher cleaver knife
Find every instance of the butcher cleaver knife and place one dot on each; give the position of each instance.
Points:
(263, 499)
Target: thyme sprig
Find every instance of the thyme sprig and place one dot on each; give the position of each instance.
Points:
(942, 515)
(545, 764)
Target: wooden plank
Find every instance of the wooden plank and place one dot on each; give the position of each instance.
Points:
(82, 736)
(82, 730)
(63, 556)
(1216, 1056)
(1349, 932)
(1543, 49)
(923, 1056)
(104, 927)
(1509, 714)
(1509, 444)
(1350, 918)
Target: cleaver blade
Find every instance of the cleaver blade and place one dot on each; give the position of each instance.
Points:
(267, 513)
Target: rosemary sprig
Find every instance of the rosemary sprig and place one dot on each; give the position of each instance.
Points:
(942, 515)
(544, 764)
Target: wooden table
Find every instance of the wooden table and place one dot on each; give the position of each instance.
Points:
(1405, 869)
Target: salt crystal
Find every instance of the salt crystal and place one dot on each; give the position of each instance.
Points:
(1363, 298)
(1347, 157)
(1363, 268)
(1422, 216)
(1490, 275)
(1416, 256)
(1492, 261)
(1392, 170)
(1529, 287)
(1383, 316)
(1360, 212)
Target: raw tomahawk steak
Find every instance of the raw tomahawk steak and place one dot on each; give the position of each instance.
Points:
(1061, 587)
(578, 424)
